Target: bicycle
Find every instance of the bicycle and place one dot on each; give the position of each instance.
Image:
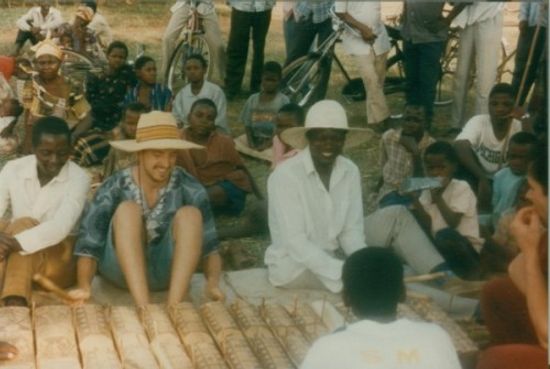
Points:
(191, 41)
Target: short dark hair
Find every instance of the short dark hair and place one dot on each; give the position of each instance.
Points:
(502, 88)
(442, 148)
(539, 168)
(199, 58)
(524, 138)
(273, 67)
(90, 4)
(296, 110)
(373, 281)
(49, 126)
(204, 101)
(136, 107)
(117, 45)
(141, 61)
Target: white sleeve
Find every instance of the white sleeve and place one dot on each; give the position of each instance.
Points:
(22, 21)
(286, 212)
(178, 109)
(463, 198)
(53, 23)
(318, 357)
(5, 177)
(471, 131)
(55, 230)
(445, 350)
(352, 237)
(340, 6)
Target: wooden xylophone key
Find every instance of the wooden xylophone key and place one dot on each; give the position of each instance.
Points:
(308, 321)
(16, 328)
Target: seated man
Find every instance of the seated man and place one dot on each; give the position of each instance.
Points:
(46, 193)
(315, 202)
(482, 144)
(36, 23)
(147, 219)
(219, 168)
(373, 286)
(99, 25)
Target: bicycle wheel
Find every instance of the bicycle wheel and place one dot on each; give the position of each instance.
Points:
(301, 79)
(76, 65)
(175, 74)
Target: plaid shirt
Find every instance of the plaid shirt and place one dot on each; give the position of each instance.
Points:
(319, 9)
(396, 162)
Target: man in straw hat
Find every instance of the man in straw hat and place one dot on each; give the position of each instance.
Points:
(315, 202)
(150, 224)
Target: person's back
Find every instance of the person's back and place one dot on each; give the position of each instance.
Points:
(373, 287)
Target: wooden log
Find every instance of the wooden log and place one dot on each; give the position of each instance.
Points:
(165, 343)
(229, 338)
(262, 341)
(56, 346)
(282, 325)
(195, 337)
(94, 338)
(16, 328)
(131, 339)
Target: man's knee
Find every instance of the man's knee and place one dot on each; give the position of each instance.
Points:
(127, 210)
(188, 214)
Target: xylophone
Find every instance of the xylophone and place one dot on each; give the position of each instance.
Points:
(214, 336)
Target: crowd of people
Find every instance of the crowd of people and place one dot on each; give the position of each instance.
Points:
(468, 208)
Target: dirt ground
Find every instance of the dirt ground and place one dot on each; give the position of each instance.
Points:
(144, 23)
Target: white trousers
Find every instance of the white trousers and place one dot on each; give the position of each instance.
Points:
(213, 36)
(373, 72)
(395, 226)
(482, 41)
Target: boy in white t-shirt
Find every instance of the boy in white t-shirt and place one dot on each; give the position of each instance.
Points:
(449, 213)
(373, 286)
(482, 144)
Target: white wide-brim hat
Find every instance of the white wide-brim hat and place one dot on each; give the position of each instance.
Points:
(325, 114)
(156, 130)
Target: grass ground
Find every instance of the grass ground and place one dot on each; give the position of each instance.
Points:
(143, 23)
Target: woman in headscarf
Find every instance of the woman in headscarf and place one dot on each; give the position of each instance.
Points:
(48, 93)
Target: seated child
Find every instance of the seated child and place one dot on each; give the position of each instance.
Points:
(199, 88)
(219, 168)
(126, 130)
(401, 155)
(482, 144)
(450, 213)
(10, 110)
(261, 108)
(373, 288)
(290, 115)
(507, 180)
(147, 91)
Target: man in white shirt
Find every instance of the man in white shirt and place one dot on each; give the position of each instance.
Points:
(181, 11)
(36, 23)
(373, 286)
(99, 25)
(315, 202)
(369, 45)
(46, 193)
(483, 143)
(480, 34)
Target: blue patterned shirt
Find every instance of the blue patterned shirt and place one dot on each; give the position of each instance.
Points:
(182, 189)
(319, 9)
(159, 98)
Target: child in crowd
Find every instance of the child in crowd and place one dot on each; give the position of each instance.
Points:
(290, 115)
(147, 91)
(449, 213)
(261, 108)
(401, 155)
(10, 110)
(507, 180)
(219, 168)
(199, 88)
(482, 144)
(118, 159)
(105, 92)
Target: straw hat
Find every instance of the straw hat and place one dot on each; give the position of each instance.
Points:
(325, 114)
(156, 130)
